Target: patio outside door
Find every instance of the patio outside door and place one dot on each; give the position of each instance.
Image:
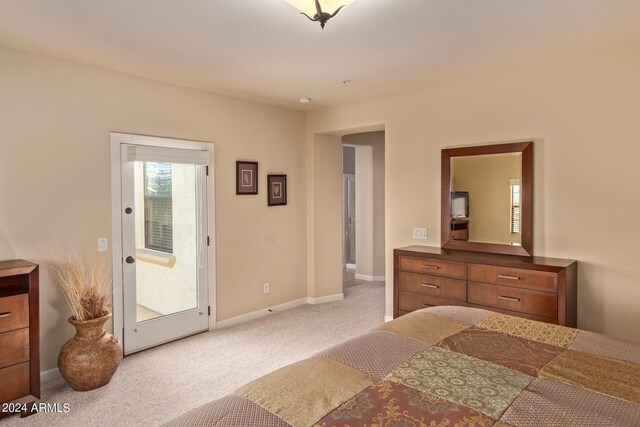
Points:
(164, 244)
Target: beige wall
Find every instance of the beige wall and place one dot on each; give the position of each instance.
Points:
(364, 211)
(55, 192)
(378, 205)
(486, 178)
(325, 269)
(583, 116)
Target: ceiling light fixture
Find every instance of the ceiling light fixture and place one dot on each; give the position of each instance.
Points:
(304, 100)
(313, 8)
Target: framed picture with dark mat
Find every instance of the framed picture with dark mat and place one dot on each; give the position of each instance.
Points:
(277, 188)
(246, 177)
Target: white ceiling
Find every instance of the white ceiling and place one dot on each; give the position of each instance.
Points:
(263, 50)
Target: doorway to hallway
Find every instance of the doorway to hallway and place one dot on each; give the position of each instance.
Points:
(363, 208)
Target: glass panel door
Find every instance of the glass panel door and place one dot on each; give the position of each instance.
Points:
(164, 248)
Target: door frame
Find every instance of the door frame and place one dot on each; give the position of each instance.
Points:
(117, 139)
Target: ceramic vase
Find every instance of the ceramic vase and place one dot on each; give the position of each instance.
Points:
(89, 359)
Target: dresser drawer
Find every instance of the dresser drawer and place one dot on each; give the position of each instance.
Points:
(14, 347)
(516, 277)
(14, 312)
(432, 266)
(408, 301)
(15, 382)
(432, 285)
(514, 299)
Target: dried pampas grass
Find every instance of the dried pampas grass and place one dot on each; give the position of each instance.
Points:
(86, 287)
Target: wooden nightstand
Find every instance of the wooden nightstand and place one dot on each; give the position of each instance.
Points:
(19, 337)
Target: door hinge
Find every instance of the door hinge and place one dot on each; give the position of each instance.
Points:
(208, 241)
(209, 310)
(207, 170)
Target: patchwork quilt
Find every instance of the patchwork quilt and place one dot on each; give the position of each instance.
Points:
(446, 366)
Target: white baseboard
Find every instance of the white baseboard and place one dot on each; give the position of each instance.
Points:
(322, 300)
(50, 375)
(259, 313)
(265, 311)
(351, 266)
(388, 318)
(370, 278)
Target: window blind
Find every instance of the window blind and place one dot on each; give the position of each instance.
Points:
(145, 153)
(158, 206)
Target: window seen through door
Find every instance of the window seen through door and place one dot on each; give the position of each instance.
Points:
(515, 206)
(158, 207)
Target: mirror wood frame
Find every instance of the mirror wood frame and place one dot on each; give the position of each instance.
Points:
(526, 247)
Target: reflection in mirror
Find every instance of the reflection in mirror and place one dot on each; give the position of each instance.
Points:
(485, 198)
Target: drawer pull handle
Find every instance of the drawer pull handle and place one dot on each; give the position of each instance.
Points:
(504, 276)
(5, 314)
(509, 299)
(431, 267)
(426, 285)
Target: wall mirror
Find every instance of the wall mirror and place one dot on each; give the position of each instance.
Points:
(487, 198)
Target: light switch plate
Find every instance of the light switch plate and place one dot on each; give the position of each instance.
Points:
(419, 233)
(266, 287)
(103, 244)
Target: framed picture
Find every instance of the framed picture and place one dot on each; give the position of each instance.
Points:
(277, 188)
(246, 177)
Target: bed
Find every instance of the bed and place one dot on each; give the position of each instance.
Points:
(446, 366)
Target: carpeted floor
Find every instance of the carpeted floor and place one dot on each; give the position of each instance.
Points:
(349, 279)
(157, 385)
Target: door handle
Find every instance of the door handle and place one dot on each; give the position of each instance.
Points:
(130, 260)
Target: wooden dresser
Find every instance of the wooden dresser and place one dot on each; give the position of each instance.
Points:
(19, 337)
(533, 287)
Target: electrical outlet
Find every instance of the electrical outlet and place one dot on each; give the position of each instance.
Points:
(103, 244)
(419, 233)
(266, 288)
